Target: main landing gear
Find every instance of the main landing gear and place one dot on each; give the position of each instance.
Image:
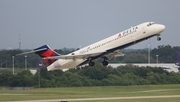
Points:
(104, 63)
(91, 63)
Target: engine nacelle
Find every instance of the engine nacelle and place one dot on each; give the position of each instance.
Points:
(54, 66)
(64, 64)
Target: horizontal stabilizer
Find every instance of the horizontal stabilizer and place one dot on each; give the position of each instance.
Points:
(33, 51)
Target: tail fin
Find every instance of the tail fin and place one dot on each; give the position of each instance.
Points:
(178, 59)
(40, 63)
(46, 51)
(178, 56)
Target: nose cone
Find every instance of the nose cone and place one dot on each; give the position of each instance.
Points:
(161, 28)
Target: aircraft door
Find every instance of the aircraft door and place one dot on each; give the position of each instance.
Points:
(134, 39)
(133, 34)
(144, 30)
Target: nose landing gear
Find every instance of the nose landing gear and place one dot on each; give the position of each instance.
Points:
(158, 38)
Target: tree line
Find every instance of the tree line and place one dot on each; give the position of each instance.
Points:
(166, 54)
(91, 76)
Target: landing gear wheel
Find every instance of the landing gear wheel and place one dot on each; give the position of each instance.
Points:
(158, 38)
(91, 63)
(105, 63)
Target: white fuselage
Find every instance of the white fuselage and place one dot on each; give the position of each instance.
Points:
(120, 40)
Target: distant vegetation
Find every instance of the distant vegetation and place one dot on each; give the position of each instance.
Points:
(91, 76)
(166, 54)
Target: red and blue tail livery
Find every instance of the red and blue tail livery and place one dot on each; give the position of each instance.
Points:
(46, 51)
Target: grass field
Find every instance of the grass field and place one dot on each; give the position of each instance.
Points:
(141, 100)
(95, 92)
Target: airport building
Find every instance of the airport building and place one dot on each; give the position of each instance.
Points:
(166, 66)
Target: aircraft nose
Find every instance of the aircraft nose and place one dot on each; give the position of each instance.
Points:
(161, 28)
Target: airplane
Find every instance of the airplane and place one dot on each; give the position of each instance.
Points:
(178, 61)
(102, 49)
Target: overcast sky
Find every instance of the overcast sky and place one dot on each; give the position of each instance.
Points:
(71, 23)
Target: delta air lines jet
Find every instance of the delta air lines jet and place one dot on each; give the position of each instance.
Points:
(101, 49)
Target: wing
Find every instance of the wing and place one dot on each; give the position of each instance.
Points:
(115, 53)
(80, 56)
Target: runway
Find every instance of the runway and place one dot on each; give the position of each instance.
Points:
(105, 98)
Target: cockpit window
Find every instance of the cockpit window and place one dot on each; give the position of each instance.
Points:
(150, 23)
